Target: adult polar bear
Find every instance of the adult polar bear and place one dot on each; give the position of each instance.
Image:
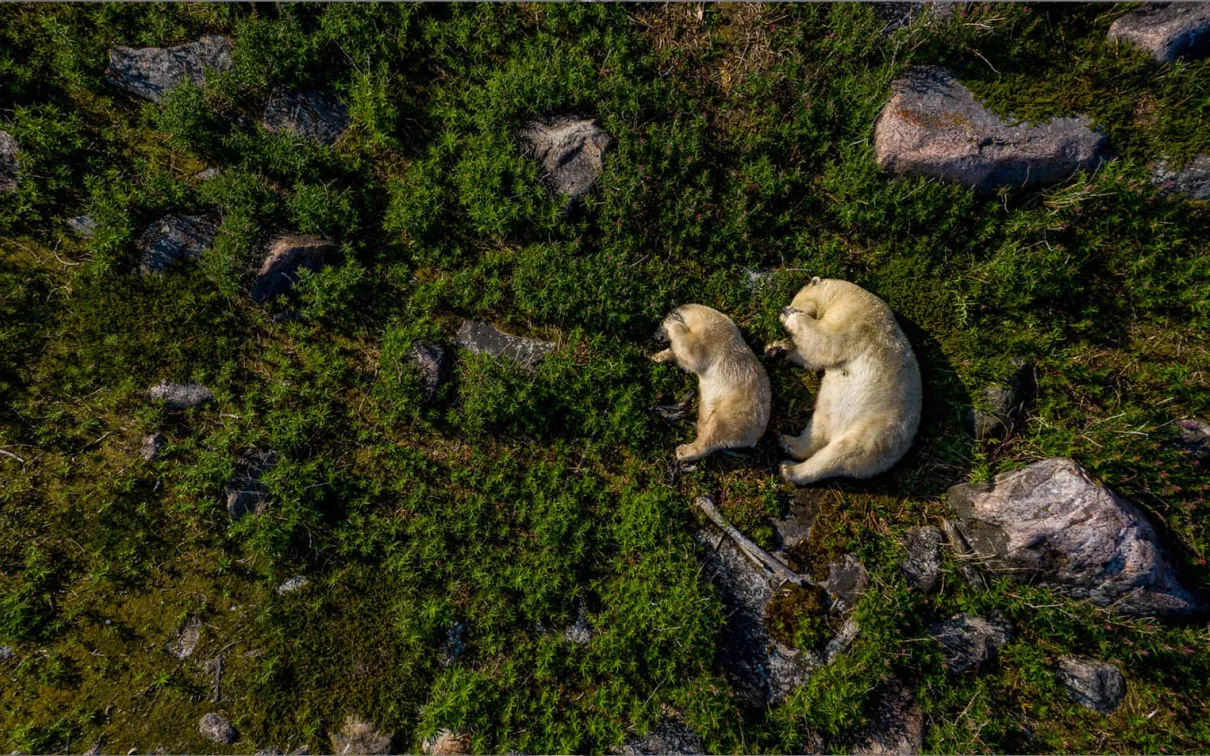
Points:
(868, 407)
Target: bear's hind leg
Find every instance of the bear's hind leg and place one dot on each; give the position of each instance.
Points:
(811, 440)
(859, 453)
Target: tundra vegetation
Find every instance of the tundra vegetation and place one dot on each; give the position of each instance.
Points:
(512, 497)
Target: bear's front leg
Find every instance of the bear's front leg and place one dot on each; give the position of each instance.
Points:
(664, 356)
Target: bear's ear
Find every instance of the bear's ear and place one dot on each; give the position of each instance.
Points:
(815, 280)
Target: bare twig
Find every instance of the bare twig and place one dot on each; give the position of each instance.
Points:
(758, 555)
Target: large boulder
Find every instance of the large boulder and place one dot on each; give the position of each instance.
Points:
(1093, 684)
(970, 642)
(1049, 522)
(1166, 30)
(8, 162)
(933, 127)
(571, 151)
(174, 239)
(180, 395)
(482, 338)
(315, 115)
(1193, 180)
(150, 72)
(666, 736)
(285, 257)
(896, 727)
(216, 728)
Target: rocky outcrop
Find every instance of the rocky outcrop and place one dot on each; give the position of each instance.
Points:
(922, 565)
(1167, 31)
(896, 727)
(285, 257)
(174, 239)
(314, 115)
(8, 162)
(359, 737)
(571, 151)
(216, 728)
(933, 127)
(1049, 522)
(180, 395)
(667, 736)
(1003, 405)
(1192, 180)
(150, 72)
(970, 642)
(481, 338)
(1093, 684)
(246, 492)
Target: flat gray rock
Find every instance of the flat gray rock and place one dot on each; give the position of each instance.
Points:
(290, 585)
(314, 115)
(206, 174)
(970, 642)
(430, 362)
(1166, 30)
(1193, 180)
(666, 736)
(482, 338)
(180, 395)
(8, 162)
(933, 127)
(82, 226)
(174, 239)
(247, 492)
(151, 447)
(184, 644)
(150, 72)
(285, 257)
(572, 152)
(1194, 437)
(1049, 522)
(6, 653)
(216, 728)
(847, 579)
(922, 565)
(1093, 684)
(896, 727)
(357, 736)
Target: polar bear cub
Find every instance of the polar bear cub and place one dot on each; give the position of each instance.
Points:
(868, 408)
(733, 390)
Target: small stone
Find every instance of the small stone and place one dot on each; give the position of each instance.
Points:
(358, 737)
(6, 653)
(247, 491)
(1166, 30)
(571, 151)
(1050, 523)
(1193, 180)
(205, 175)
(1194, 437)
(151, 447)
(270, 751)
(898, 15)
(180, 395)
(1003, 405)
(968, 642)
(447, 743)
(666, 736)
(150, 72)
(174, 239)
(795, 528)
(1093, 684)
(8, 162)
(314, 115)
(454, 645)
(285, 256)
(843, 640)
(847, 579)
(82, 226)
(933, 127)
(298, 582)
(482, 338)
(183, 646)
(580, 631)
(896, 727)
(922, 566)
(430, 362)
(216, 728)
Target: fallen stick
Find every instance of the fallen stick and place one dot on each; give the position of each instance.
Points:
(758, 555)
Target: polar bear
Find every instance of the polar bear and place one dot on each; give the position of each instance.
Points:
(734, 394)
(868, 408)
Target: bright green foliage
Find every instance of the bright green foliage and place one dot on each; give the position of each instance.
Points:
(741, 166)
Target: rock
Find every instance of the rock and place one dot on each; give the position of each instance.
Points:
(82, 226)
(180, 395)
(1005, 405)
(933, 127)
(923, 563)
(8, 162)
(666, 736)
(1193, 180)
(1194, 437)
(314, 115)
(794, 529)
(246, 493)
(580, 631)
(150, 72)
(205, 175)
(186, 641)
(762, 670)
(843, 640)
(95, 750)
(1093, 684)
(571, 151)
(896, 726)
(6, 653)
(847, 579)
(430, 362)
(446, 743)
(216, 728)
(270, 751)
(1049, 522)
(359, 737)
(1166, 30)
(968, 642)
(284, 258)
(898, 15)
(454, 645)
(482, 338)
(151, 447)
(174, 239)
(296, 583)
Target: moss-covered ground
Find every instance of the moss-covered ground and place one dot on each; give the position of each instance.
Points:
(742, 142)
